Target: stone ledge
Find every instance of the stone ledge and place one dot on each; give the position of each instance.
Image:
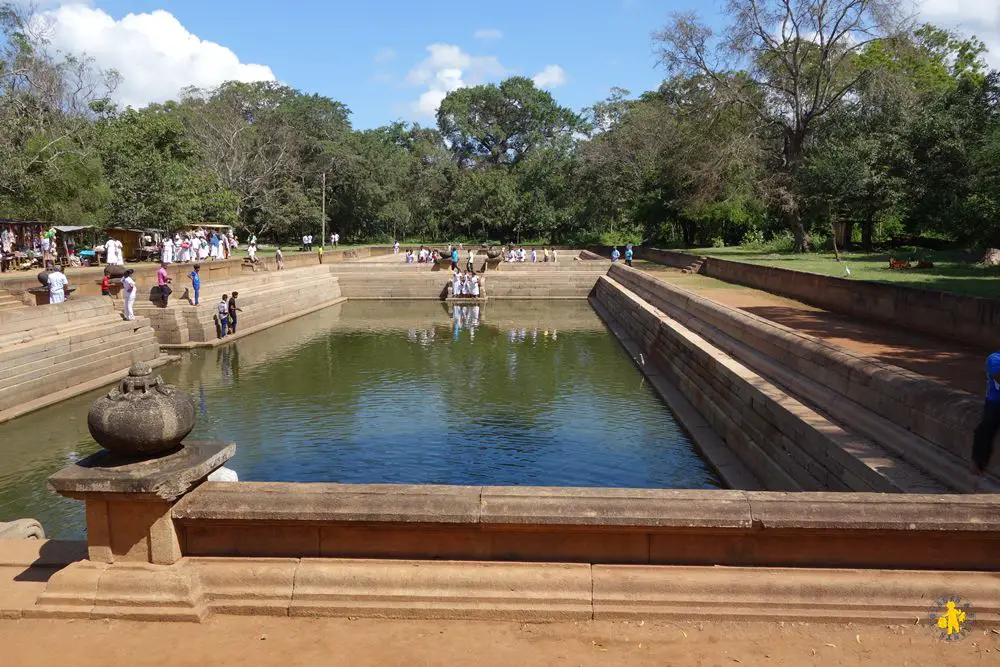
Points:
(875, 511)
(328, 503)
(614, 507)
(261, 503)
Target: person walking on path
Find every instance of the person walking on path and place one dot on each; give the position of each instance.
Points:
(128, 284)
(615, 254)
(982, 443)
(628, 254)
(195, 277)
(232, 312)
(57, 285)
(279, 259)
(454, 257)
(163, 282)
(222, 316)
(105, 283)
(395, 247)
(319, 252)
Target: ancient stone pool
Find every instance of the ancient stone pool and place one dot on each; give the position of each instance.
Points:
(507, 393)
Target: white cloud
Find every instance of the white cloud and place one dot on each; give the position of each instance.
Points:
(551, 76)
(486, 34)
(385, 55)
(155, 54)
(448, 68)
(978, 17)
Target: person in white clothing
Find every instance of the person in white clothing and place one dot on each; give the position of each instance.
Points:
(456, 282)
(523, 254)
(57, 283)
(128, 285)
(111, 252)
(534, 256)
(395, 247)
(474, 288)
(252, 252)
(167, 256)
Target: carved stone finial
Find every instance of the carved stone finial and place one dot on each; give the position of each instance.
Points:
(142, 417)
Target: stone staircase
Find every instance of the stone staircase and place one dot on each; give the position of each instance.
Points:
(265, 298)
(840, 412)
(51, 351)
(695, 266)
(8, 300)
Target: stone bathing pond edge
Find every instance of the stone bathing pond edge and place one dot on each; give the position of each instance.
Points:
(523, 553)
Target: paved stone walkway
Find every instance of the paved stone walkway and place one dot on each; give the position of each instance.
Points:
(957, 365)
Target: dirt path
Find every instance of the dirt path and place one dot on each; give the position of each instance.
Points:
(253, 642)
(956, 365)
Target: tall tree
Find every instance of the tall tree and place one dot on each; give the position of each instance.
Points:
(500, 124)
(796, 62)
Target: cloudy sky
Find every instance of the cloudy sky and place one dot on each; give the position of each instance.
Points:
(390, 59)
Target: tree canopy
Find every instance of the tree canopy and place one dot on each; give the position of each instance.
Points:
(799, 120)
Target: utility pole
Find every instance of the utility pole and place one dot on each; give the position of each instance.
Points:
(322, 238)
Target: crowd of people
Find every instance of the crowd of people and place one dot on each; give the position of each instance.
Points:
(199, 245)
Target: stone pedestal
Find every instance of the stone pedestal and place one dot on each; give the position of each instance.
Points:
(128, 501)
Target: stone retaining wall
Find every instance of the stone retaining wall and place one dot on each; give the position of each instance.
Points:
(967, 319)
(933, 411)
(786, 444)
(586, 525)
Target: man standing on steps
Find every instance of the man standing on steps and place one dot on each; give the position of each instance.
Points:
(222, 316)
(163, 283)
(982, 444)
(232, 313)
(628, 254)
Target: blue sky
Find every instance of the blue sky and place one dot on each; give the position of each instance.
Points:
(390, 59)
(331, 47)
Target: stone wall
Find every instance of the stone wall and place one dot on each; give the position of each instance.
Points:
(918, 405)
(586, 525)
(785, 443)
(968, 319)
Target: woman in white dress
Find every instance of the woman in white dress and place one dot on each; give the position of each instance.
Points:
(456, 283)
(128, 284)
(167, 256)
(474, 287)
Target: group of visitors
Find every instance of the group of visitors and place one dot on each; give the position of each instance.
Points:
(226, 315)
(629, 253)
(424, 256)
(195, 246)
(520, 254)
(465, 283)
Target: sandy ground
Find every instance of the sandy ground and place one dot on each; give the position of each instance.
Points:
(251, 642)
(956, 365)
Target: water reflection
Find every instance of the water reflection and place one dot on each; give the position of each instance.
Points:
(411, 392)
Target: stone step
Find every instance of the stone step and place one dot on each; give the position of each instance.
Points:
(44, 334)
(816, 452)
(60, 351)
(55, 317)
(82, 356)
(68, 375)
(17, 356)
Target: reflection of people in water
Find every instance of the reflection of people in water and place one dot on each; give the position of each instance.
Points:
(202, 402)
(227, 369)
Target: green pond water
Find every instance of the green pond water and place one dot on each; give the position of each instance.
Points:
(508, 393)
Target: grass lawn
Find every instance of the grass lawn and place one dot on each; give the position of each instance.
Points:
(954, 271)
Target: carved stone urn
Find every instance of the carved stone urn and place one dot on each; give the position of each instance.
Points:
(143, 417)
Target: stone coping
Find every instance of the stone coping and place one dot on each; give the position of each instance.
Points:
(165, 478)
(317, 503)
